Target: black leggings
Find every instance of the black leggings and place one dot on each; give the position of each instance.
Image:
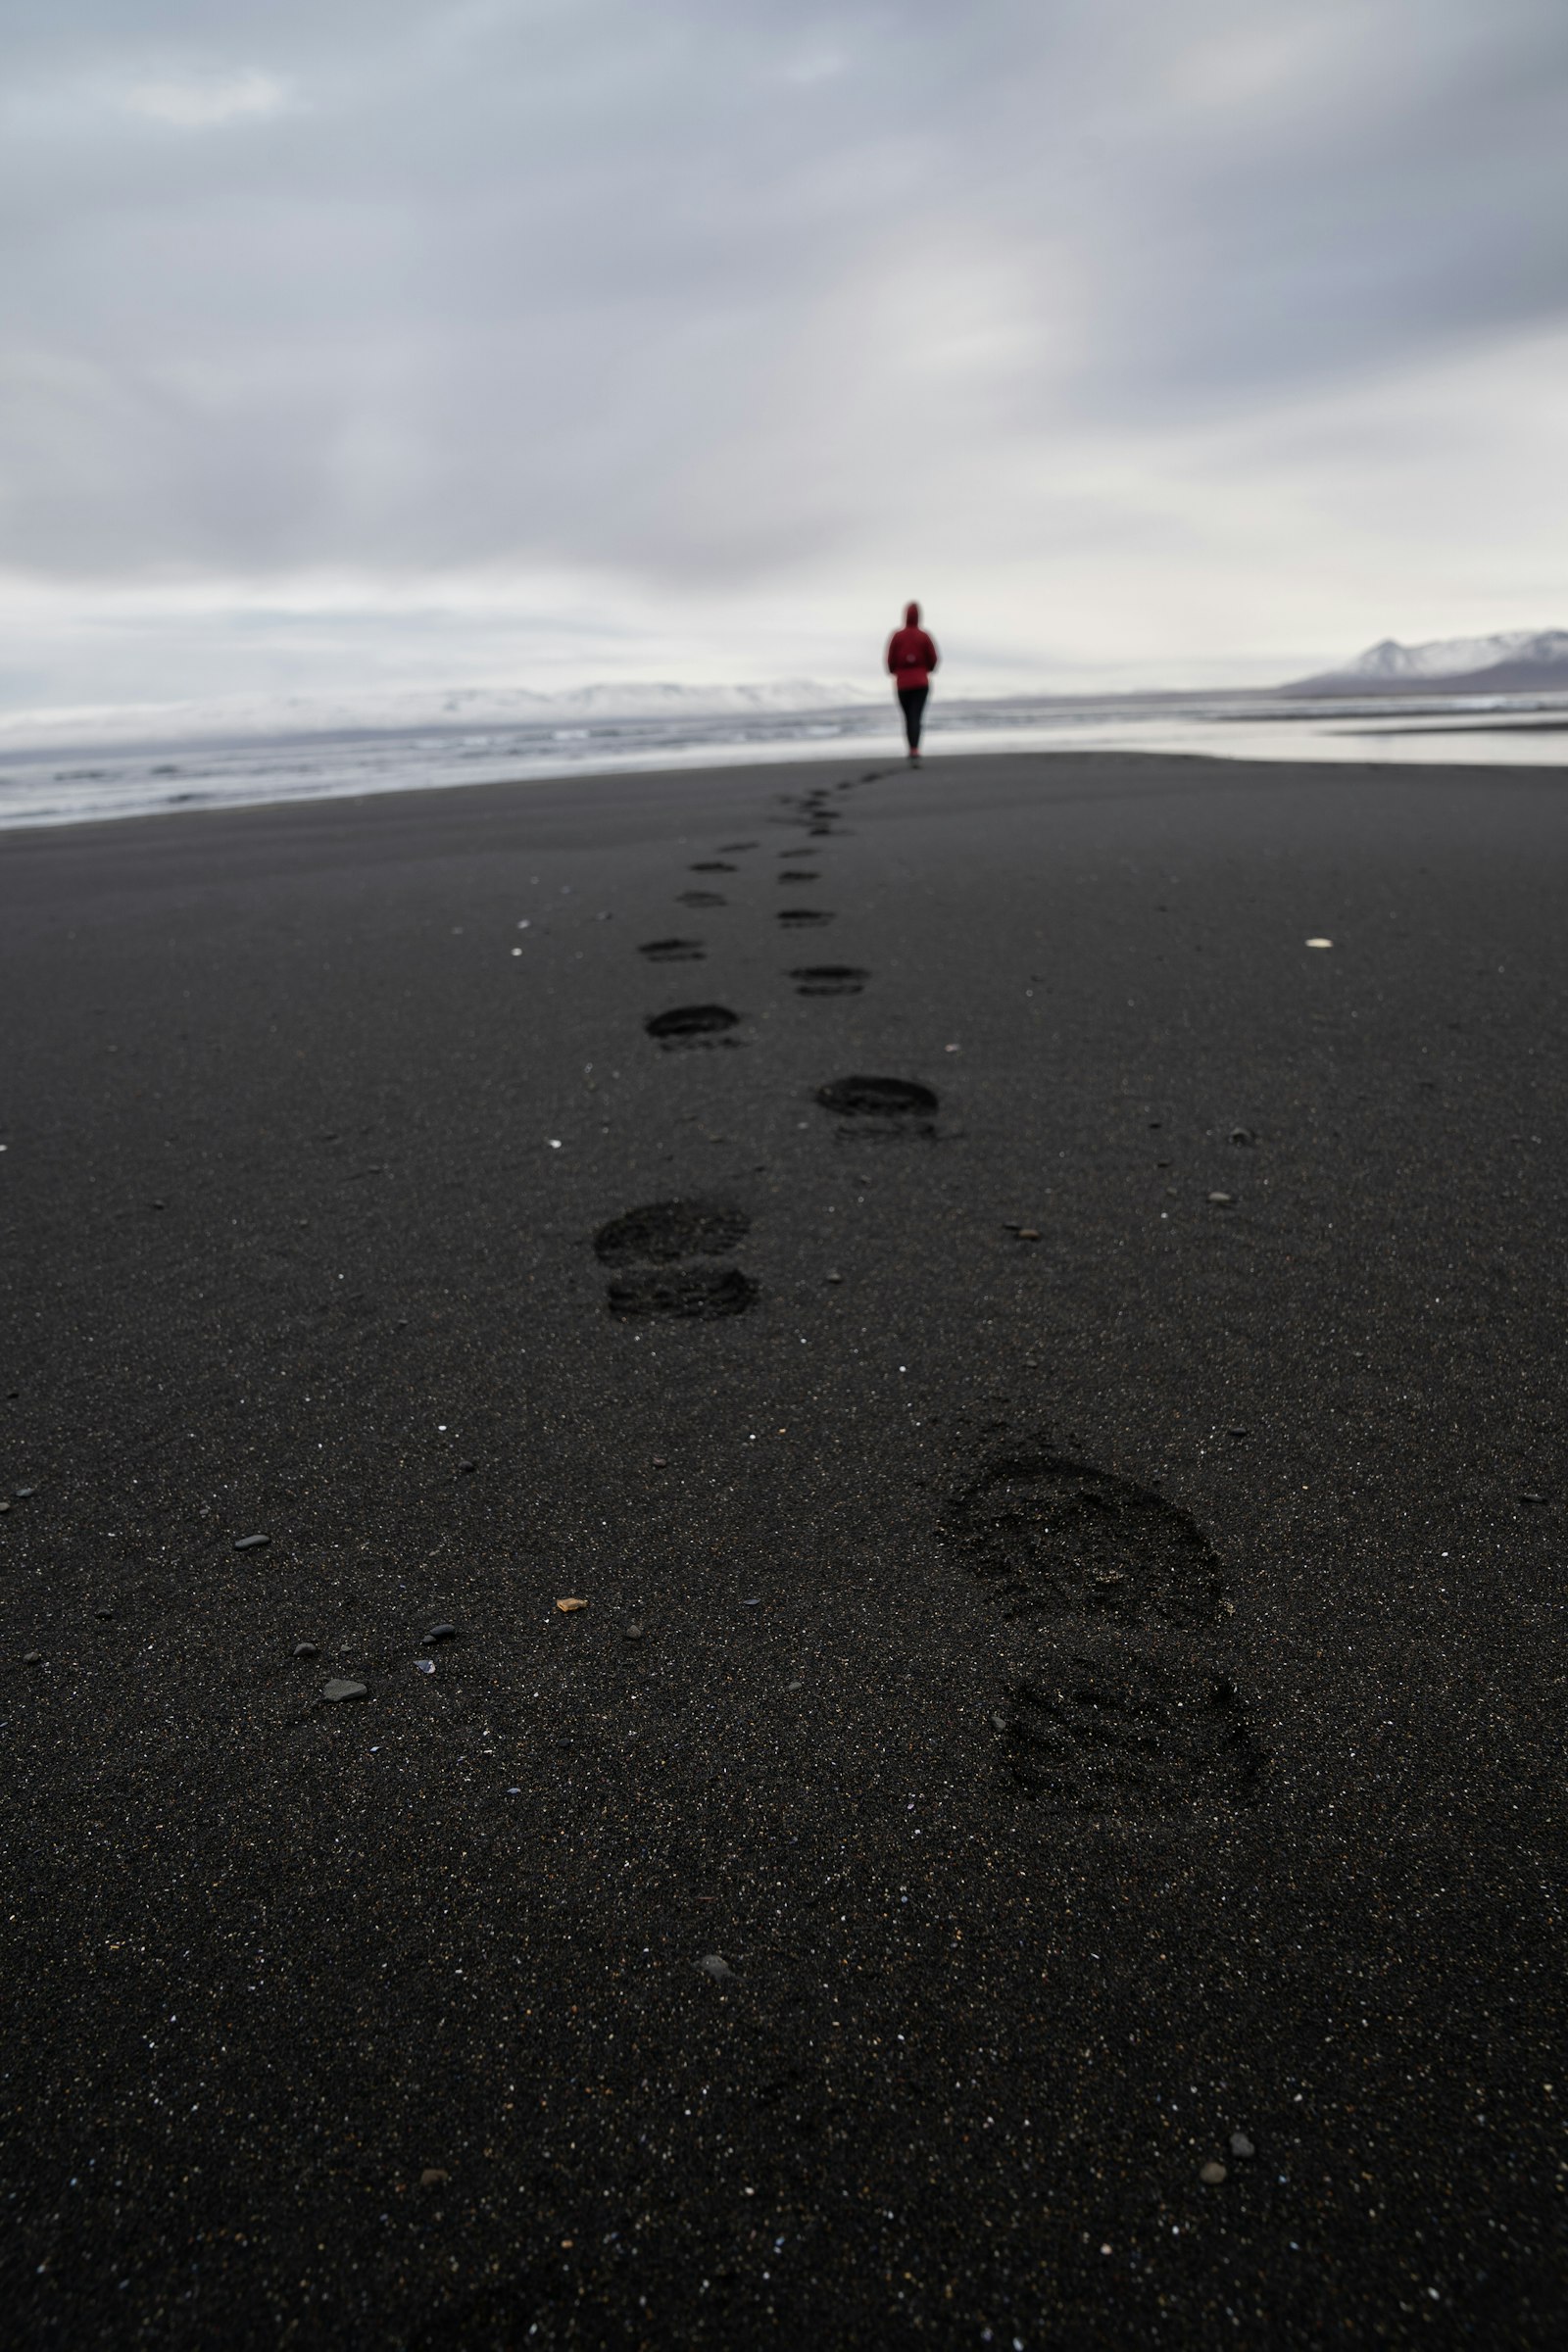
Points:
(912, 700)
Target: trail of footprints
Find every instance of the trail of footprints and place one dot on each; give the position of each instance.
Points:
(1119, 1702)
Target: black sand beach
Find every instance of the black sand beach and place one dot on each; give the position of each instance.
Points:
(1073, 1578)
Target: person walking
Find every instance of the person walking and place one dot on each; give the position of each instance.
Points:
(911, 658)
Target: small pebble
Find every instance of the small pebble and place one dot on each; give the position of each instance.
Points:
(1027, 1232)
(715, 1964)
(433, 2177)
(21, 1492)
(103, 1613)
(441, 1633)
(32, 1657)
(307, 1650)
(1320, 943)
(799, 1683)
(5, 1507)
(1241, 2145)
(464, 1467)
(1000, 1720)
(425, 1665)
(336, 1689)
(658, 1461)
(833, 1278)
(249, 1542)
(634, 1630)
(1211, 2174)
(567, 1607)
(1223, 1199)
(755, 1602)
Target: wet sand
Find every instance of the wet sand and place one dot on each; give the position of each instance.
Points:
(1079, 1657)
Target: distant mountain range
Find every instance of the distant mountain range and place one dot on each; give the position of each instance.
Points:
(1517, 662)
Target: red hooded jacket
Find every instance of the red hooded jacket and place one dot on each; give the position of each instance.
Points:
(911, 656)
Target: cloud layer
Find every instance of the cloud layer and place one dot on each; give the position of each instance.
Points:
(555, 338)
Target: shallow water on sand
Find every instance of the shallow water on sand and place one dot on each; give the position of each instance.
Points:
(55, 784)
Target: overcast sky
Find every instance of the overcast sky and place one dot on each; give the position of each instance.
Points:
(537, 341)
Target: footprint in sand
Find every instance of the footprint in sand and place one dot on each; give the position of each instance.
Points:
(814, 821)
(702, 897)
(877, 1098)
(686, 1021)
(829, 979)
(1119, 1700)
(711, 866)
(646, 1247)
(667, 1230)
(672, 951)
(802, 918)
(787, 877)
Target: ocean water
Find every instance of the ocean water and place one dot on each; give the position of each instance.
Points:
(57, 782)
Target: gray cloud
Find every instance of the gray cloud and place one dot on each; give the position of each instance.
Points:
(711, 298)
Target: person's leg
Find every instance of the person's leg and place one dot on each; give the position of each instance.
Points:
(912, 701)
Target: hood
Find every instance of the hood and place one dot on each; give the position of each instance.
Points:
(911, 617)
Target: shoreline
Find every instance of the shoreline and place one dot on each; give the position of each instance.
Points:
(1248, 733)
(1348, 766)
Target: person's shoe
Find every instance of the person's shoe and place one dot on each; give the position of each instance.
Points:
(915, 758)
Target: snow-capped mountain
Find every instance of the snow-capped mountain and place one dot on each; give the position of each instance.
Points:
(1513, 662)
